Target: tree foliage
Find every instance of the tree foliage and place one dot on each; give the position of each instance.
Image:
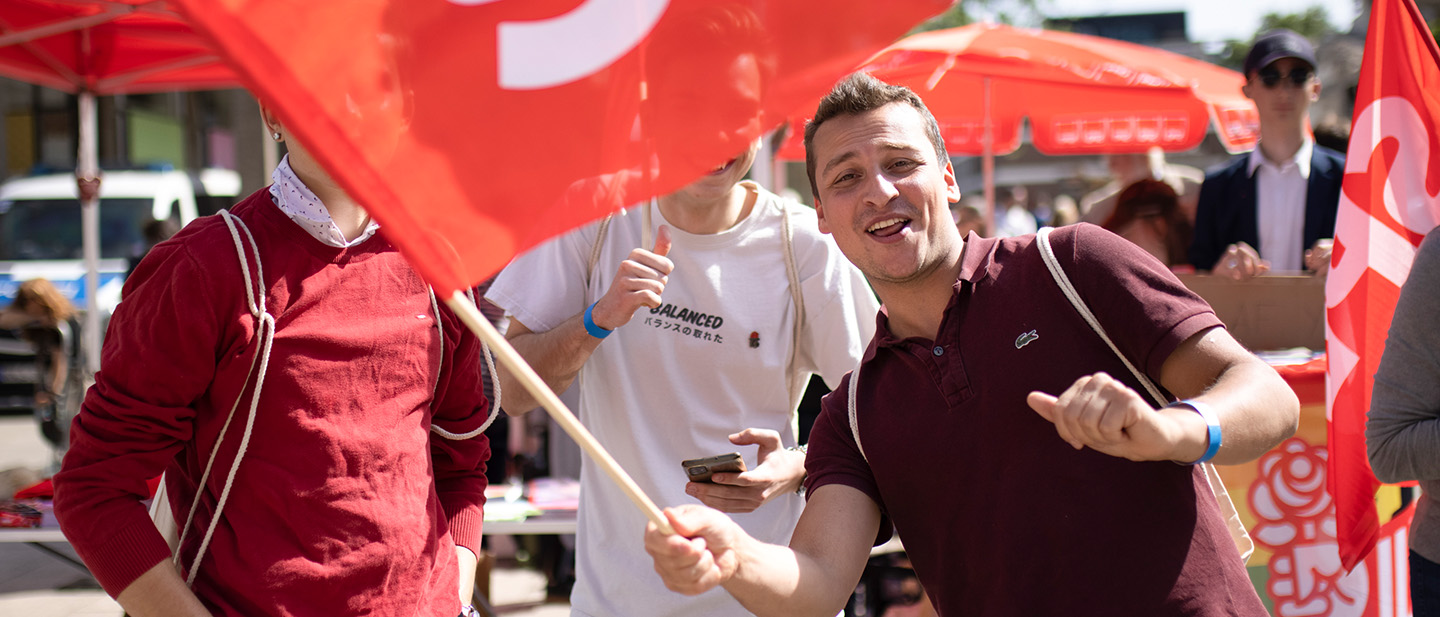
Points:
(1430, 10)
(953, 17)
(1313, 24)
(1014, 12)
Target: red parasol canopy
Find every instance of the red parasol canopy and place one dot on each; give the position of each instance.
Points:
(1082, 94)
(106, 47)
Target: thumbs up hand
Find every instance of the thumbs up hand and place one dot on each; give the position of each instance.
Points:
(639, 282)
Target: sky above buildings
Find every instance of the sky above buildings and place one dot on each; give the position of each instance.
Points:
(1206, 20)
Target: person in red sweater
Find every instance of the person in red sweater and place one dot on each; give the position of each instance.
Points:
(361, 485)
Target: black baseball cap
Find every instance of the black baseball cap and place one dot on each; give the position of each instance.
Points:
(1276, 44)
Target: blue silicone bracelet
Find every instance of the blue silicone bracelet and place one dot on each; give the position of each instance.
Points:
(594, 330)
(1212, 423)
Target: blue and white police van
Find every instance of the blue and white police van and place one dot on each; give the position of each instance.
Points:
(40, 238)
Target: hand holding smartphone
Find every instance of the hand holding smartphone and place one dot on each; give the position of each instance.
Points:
(701, 469)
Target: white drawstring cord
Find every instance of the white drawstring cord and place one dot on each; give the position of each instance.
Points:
(854, 419)
(489, 363)
(265, 335)
(1238, 533)
(1048, 254)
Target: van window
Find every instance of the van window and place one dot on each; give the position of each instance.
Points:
(206, 205)
(50, 228)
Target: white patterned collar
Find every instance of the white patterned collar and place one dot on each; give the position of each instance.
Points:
(303, 207)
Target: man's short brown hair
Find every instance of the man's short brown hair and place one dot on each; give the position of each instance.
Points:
(857, 94)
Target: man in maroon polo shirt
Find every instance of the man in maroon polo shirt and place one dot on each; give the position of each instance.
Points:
(1011, 501)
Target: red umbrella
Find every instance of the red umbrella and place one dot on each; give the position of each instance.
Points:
(106, 47)
(90, 47)
(1082, 94)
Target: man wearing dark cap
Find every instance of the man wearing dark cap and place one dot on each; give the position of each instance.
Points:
(1273, 208)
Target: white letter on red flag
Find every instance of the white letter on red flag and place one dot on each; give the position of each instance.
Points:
(475, 129)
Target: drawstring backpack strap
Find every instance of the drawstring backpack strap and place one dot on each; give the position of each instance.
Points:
(595, 249)
(489, 364)
(1236, 527)
(265, 336)
(850, 400)
(797, 300)
(1048, 254)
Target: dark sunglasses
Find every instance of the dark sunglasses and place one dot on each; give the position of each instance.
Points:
(1271, 77)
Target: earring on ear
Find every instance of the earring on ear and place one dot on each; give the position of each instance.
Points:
(275, 135)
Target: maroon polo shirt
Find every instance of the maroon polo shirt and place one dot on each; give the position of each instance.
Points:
(998, 514)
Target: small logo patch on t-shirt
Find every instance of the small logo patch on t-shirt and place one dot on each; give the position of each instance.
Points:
(1025, 339)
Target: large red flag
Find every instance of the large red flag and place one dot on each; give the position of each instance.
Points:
(1391, 198)
(474, 129)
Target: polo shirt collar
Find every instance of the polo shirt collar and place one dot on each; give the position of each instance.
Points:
(975, 259)
(1301, 159)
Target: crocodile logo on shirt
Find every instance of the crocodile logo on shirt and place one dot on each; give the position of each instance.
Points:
(1026, 339)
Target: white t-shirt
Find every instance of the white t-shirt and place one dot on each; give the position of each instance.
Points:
(674, 382)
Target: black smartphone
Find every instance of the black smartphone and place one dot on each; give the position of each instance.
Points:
(700, 469)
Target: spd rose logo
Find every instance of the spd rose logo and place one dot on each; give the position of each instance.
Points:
(1297, 523)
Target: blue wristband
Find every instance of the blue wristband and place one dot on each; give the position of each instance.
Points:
(594, 330)
(1212, 423)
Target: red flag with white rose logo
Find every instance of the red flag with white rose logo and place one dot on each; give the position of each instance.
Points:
(1390, 199)
(1295, 523)
(475, 129)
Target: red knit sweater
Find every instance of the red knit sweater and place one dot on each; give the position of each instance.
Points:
(345, 503)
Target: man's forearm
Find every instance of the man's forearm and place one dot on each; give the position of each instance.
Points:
(467, 561)
(160, 592)
(817, 573)
(1257, 411)
(556, 356)
(813, 576)
(777, 581)
(1256, 408)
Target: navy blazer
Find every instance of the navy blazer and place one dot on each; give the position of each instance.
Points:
(1226, 214)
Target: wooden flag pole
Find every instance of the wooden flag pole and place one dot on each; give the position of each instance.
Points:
(517, 366)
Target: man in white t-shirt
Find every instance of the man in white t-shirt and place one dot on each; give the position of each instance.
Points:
(693, 344)
(685, 349)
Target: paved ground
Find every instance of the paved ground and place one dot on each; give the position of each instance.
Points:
(35, 584)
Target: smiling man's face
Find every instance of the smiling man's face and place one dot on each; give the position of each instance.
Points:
(884, 194)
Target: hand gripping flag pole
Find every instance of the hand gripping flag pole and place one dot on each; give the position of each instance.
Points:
(512, 362)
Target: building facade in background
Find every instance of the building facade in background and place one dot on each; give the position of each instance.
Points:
(184, 131)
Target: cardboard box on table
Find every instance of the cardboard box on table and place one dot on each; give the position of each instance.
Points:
(1267, 312)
